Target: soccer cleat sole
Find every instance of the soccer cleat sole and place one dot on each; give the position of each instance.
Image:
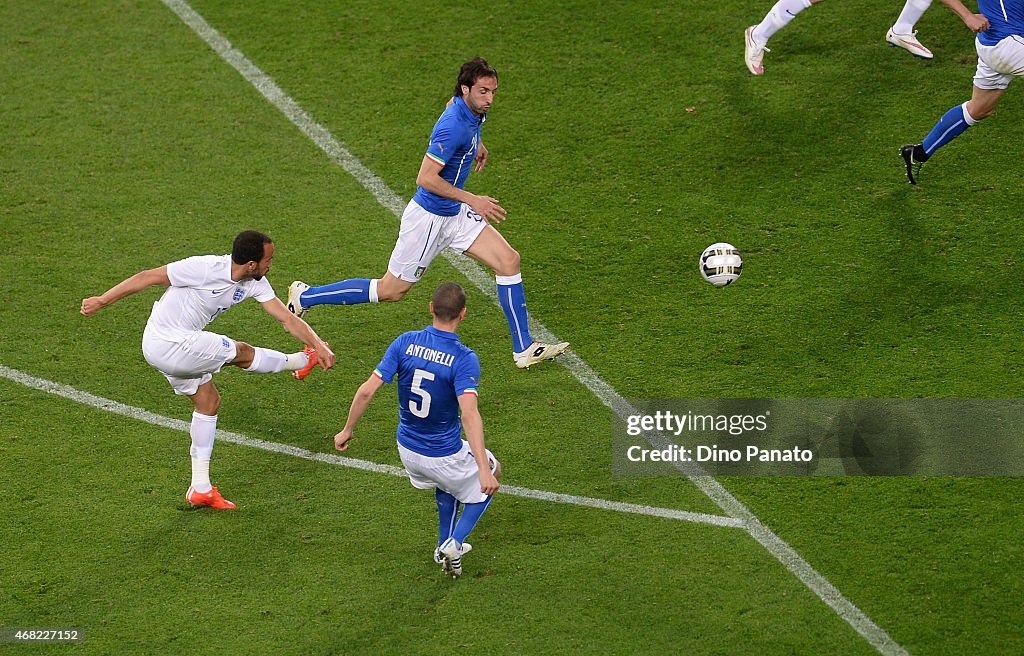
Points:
(914, 54)
(914, 47)
(294, 293)
(554, 350)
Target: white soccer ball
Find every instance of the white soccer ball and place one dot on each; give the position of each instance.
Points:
(721, 264)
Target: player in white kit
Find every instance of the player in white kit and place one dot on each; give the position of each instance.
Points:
(176, 344)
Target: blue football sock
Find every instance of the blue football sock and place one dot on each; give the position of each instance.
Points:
(447, 511)
(513, 303)
(346, 292)
(950, 126)
(471, 513)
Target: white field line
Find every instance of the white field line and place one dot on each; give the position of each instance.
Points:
(140, 414)
(828, 593)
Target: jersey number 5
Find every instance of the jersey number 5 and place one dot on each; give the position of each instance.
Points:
(421, 409)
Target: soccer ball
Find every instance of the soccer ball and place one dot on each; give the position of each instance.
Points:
(721, 264)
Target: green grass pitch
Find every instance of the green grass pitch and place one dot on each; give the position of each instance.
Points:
(625, 137)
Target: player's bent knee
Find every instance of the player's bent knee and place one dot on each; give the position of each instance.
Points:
(978, 112)
(244, 355)
(207, 402)
(508, 263)
(391, 296)
(980, 109)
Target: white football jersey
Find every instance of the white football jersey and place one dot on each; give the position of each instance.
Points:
(201, 288)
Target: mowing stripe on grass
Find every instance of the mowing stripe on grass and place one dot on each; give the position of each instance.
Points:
(141, 414)
(785, 554)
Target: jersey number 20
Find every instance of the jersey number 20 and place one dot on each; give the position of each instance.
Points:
(421, 409)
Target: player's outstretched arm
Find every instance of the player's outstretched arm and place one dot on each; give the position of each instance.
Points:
(473, 425)
(974, 22)
(127, 287)
(360, 403)
(430, 179)
(301, 331)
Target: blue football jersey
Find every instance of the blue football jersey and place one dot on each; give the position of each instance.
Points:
(433, 368)
(1005, 18)
(453, 145)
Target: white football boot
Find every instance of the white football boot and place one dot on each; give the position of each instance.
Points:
(451, 557)
(753, 53)
(909, 43)
(439, 559)
(538, 352)
(294, 292)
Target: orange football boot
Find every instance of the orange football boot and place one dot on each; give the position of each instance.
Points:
(314, 360)
(213, 499)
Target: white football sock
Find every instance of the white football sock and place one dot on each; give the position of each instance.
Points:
(267, 361)
(202, 430)
(296, 361)
(509, 280)
(967, 115)
(912, 12)
(778, 18)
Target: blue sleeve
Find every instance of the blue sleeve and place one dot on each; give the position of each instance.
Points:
(388, 366)
(467, 374)
(444, 140)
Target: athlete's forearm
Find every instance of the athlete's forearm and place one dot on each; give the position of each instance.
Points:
(473, 425)
(360, 403)
(136, 283)
(435, 184)
(958, 8)
(302, 331)
(127, 287)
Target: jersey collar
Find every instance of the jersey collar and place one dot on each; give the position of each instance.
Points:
(441, 333)
(467, 114)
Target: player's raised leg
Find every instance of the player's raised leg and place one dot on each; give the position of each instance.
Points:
(259, 360)
(352, 291)
(388, 288)
(491, 249)
(419, 241)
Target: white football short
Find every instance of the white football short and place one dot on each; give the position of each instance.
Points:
(191, 362)
(456, 474)
(423, 235)
(999, 64)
